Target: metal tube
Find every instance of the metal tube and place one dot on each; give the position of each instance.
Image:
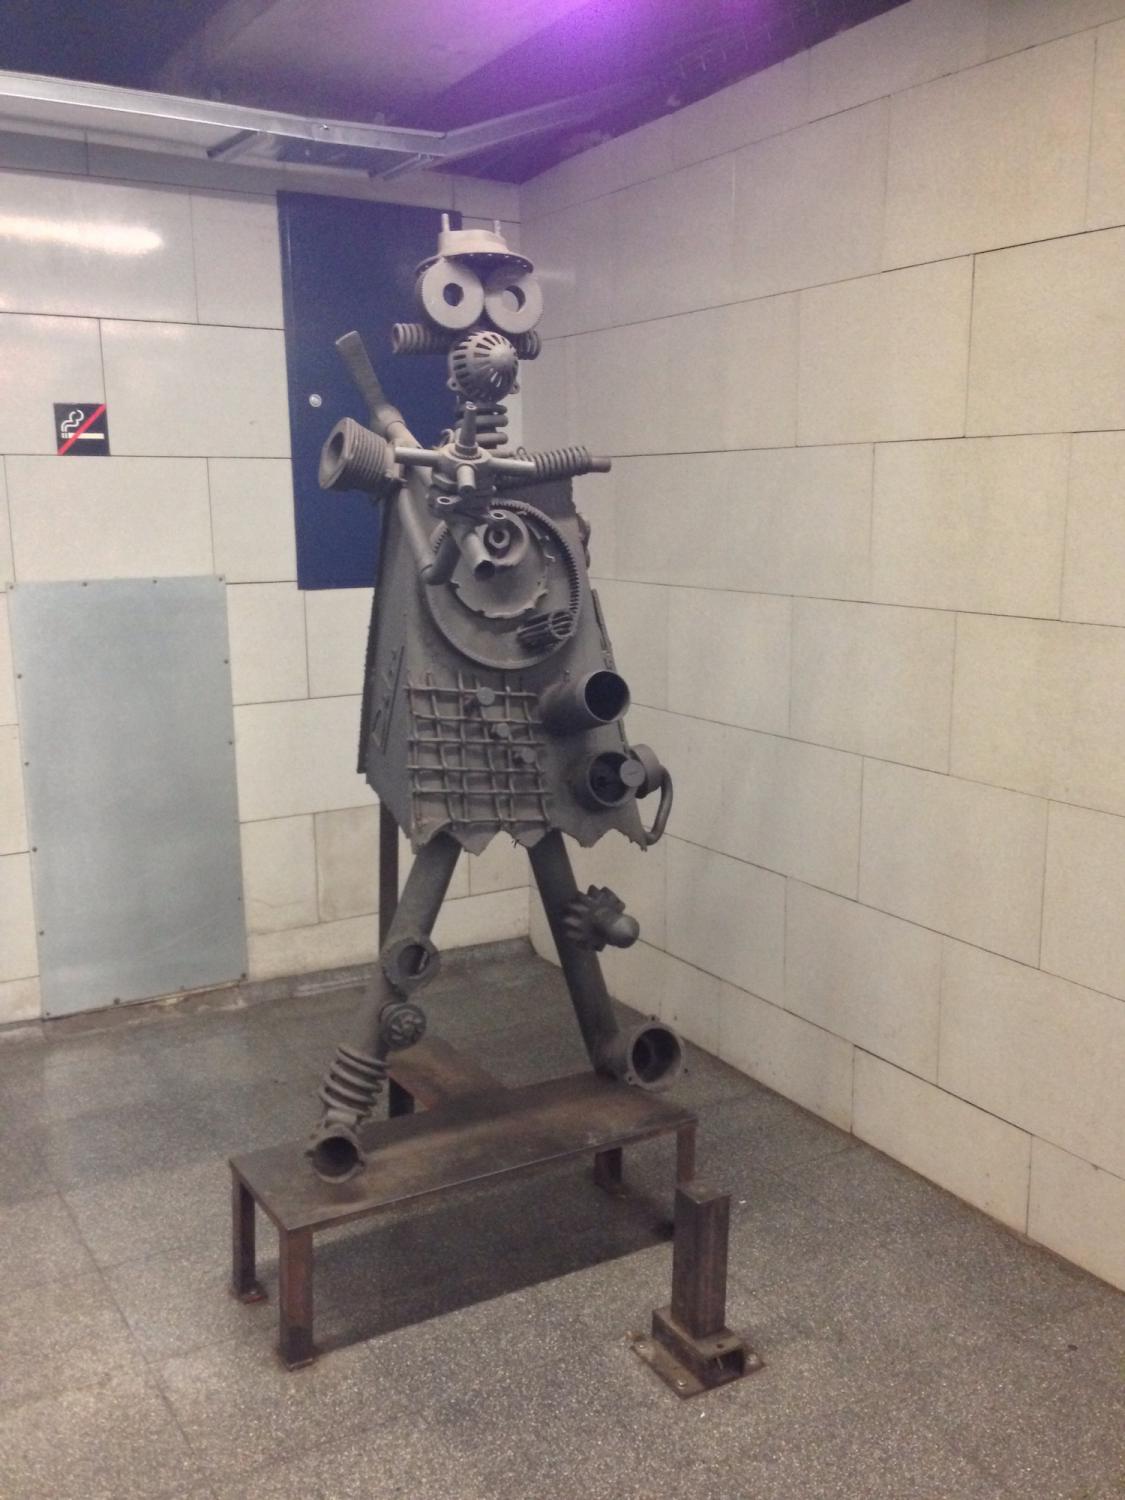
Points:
(417, 911)
(550, 864)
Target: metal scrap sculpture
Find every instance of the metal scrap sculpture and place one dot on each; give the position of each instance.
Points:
(491, 699)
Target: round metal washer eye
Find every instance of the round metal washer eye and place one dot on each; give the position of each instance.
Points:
(513, 300)
(451, 294)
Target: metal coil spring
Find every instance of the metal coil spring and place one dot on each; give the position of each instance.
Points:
(492, 422)
(419, 338)
(559, 463)
(353, 1083)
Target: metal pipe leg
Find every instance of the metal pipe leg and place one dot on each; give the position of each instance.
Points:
(385, 1021)
(652, 1056)
(551, 867)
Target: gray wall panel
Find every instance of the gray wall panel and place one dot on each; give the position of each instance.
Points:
(128, 731)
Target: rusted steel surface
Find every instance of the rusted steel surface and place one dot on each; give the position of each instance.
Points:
(690, 1347)
(432, 1071)
(465, 1141)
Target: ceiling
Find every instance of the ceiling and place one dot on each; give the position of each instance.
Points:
(431, 64)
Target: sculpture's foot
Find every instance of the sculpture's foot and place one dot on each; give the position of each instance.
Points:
(651, 1056)
(335, 1152)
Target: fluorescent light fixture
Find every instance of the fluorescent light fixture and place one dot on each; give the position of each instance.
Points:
(110, 239)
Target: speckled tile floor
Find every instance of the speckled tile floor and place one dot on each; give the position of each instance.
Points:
(914, 1350)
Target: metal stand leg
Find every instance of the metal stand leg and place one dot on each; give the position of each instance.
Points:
(295, 1343)
(388, 871)
(399, 1100)
(691, 1348)
(685, 1154)
(609, 1170)
(244, 1278)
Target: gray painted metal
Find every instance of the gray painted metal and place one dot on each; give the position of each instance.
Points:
(491, 699)
(153, 121)
(128, 731)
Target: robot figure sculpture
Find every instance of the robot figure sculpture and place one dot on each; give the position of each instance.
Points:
(491, 702)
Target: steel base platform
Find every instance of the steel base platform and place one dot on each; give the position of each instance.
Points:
(472, 1130)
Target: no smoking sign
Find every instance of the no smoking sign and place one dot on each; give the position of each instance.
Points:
(81, 429)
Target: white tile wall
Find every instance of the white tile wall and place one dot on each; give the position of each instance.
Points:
(302, 950)
(723, 401)
(1022, 23)
(7, 674)
(727, 918)
(178, 388)
(784, 521)
(13, 823)
(1049, 336)
(1092, 586)
(1040, 707)
(945, 346)
(237, 260)
(873, 679)
(869, 978)
(6, 568)
(296, 757)
(883, 357)
(955, 856)
(992, 156)
(266, 622)
(347, 861)
(636, 618)
(980, 1158)
(502, 867)
(1078, 1210)
(975, 524)
(497, 916)
(252, 519)
(18, 955)
(167, 300)
(787, 1054)
(20, 1000)
(1107, 141)
(906, 46)
(761, 105)
(44, 360)
(95, 249)
(279, 874)
(788, 807)
(114, 518)
(621, 384)
(659, 985)
(728, 657)
(660, 262)
(809, 203)
(1035, 1050)
(337, 624)
(1084, 898)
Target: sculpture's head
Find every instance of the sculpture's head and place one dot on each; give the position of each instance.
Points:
(480, 302)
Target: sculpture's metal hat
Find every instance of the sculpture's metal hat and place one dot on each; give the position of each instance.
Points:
(487, 247)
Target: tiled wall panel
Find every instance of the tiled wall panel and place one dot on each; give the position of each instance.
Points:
(163, 297)
(868, 544)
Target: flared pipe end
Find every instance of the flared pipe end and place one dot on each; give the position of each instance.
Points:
(651, 1056)
(335, 1152)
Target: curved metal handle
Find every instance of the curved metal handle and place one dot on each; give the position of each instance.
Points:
(654, 834)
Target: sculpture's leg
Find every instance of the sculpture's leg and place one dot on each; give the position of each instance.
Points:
(386, 1021)
(650, 1056)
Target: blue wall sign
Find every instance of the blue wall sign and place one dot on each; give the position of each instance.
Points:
(348, 264)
